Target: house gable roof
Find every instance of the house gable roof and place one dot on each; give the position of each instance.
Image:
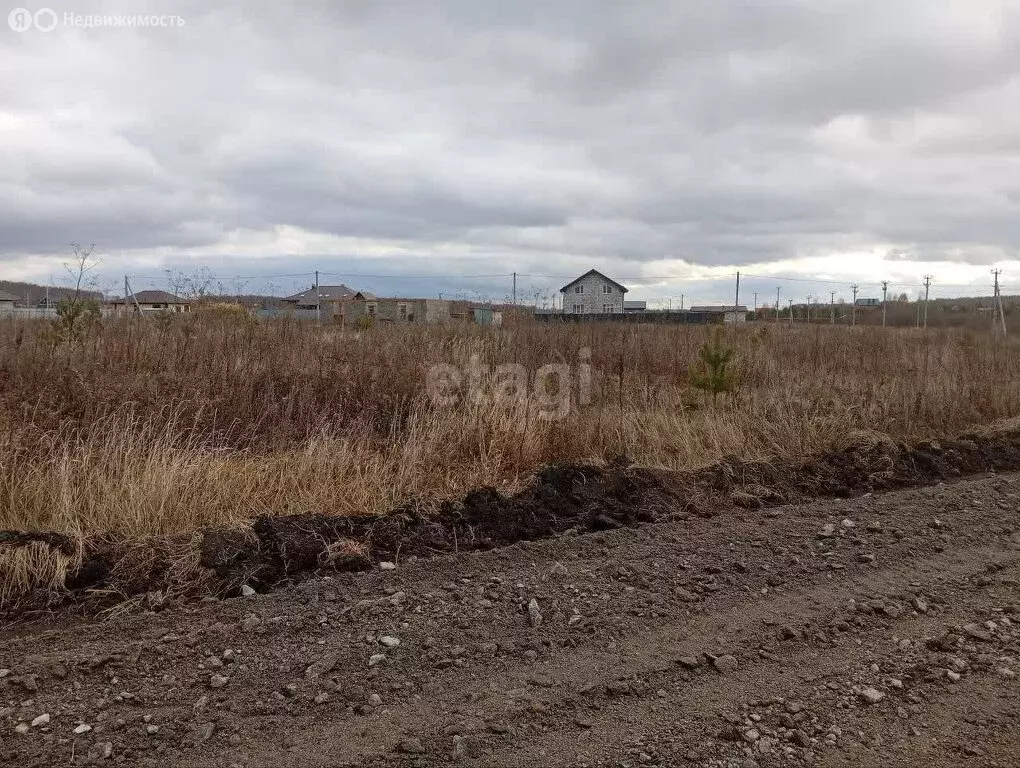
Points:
(152, 297)
(589, 273)
(4, 296)
(326, 293)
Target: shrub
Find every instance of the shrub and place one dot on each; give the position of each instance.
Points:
(713, 373)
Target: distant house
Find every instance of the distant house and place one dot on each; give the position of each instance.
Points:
(151, 301)
(868, 302)
(327, 294)
(593, 293)
(331, 301)
(634, 306)
(397, 310)
(729, 313)
(7, 300)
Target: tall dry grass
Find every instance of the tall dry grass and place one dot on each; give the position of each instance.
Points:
(173, 424)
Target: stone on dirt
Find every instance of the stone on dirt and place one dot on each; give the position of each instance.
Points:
(247, 591)
(43, 719)
(977, 632)
(387, 566)
(871, 695)
(321, 667)
(411, 747)
(534, 613)
(725, 663)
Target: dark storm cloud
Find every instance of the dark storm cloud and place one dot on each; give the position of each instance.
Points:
(528, 135)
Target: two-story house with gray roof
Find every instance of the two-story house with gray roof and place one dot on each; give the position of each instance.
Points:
(592, 294)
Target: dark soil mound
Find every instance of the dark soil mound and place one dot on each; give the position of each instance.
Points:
(564, 498)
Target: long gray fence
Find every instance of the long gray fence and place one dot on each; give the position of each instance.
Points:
(681, 317)
(31, 313)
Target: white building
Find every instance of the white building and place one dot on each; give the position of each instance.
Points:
(730, 313)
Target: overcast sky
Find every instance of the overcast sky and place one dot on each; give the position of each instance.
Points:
(851, 141)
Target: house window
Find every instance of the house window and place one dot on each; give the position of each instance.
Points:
(401, 311)
(578, 289)
(607, 308)
(607, 289)
(579, 309)
(370, 309)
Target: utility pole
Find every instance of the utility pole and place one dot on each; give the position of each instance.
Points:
(755, 305)
(927, 284)
(318, 309)
(736, 299)
(127, 291)
(125, 294)
(997, 303)
(515, 289)
(853, 307)
(791, 312)
(681, 302)
(832, 307)
(885, 291)
(777, 303)
(809, 308)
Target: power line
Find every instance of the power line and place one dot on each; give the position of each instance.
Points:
(421, 277)
(211, 276)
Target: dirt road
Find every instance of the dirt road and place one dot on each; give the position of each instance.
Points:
(881, 631)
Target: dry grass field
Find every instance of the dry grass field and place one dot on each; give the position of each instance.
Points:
(156, 429)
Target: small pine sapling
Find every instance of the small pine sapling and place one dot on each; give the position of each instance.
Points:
(713, 373)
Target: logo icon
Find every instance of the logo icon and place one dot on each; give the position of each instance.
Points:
(20, 19)
(45, 20)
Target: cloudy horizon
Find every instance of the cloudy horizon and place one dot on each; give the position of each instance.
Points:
(439, 148)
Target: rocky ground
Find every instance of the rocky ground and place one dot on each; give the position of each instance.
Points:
(879, 631)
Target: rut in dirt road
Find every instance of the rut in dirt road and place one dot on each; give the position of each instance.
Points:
(877, 631)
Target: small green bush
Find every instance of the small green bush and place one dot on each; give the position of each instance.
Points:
(713, 372)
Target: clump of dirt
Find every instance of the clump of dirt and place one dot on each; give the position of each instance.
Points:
(863, 466)
(560, 499)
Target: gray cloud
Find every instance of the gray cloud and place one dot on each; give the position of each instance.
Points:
(529, 135)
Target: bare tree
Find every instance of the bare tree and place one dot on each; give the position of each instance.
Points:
(78, 312)
(198, 285)
(80, 268)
